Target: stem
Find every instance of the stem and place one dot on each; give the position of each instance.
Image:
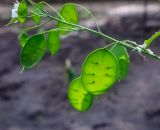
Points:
(37, 26)
(91, 15)
(35, 15)
(61, 29)
(53, 10)
(151, 39)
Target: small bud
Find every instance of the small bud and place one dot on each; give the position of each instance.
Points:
(150, 52)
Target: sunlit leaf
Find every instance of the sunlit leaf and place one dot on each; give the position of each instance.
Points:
(53, 42)
(23, 38)
(123, 59)
(37, 12)
(100, 71)
(79, 98)
(33, 51)
(70, 15)
(22, 11)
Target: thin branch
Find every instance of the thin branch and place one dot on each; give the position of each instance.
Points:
(102, 34)
(91, 15)
(37, 26)
(52, 8)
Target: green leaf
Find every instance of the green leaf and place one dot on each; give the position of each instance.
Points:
(70, 15)
(151, 39)
(53, 42)
(22, 11)
(123, 59)
(23, 38)
(99, 71)
(79, 98)
(37, 12)
(33, 51)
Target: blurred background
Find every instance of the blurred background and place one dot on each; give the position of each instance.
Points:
(37, 99)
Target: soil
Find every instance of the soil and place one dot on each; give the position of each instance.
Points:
(37, 99)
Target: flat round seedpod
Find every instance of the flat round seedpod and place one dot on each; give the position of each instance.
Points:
(69, 14)
(123, 59)
(99, 71)
(79, 98)
(33, 51)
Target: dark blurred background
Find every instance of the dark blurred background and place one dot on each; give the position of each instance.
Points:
(37, 99)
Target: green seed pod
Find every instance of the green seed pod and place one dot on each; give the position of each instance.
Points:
(99, 71)
(54, 42)
(22, 11)
(79, 98)
(37, 12)
(33, 51)
(70, 14)
(123, 59)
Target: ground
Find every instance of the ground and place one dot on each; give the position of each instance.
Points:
(37, 99)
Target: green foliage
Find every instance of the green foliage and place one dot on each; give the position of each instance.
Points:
(79, 98)
(33, 51)
(70, 15)
(23, 38)
(37, 13)
(123, 59)
(102, 67)
(54, 42)
(22, 11)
